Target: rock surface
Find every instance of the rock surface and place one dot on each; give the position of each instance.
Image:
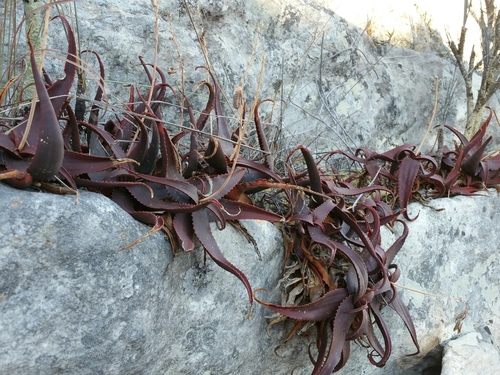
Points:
(73, 303)
(342, 83)
(452, 256)
(470, 354)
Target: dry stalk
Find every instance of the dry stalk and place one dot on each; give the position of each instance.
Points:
(436, 86)
(181, 65)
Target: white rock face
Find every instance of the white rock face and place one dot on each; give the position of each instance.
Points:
(470, 354)
(73, 303)
(343, 86)
(451, 253)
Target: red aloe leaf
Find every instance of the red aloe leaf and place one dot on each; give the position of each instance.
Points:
(304, 217)
(372, 336)
(268, 158)
(192, 161)
(215, 156)
(341, 325)
(408, 171)
(478, 137)
(351, 222)
(359, 266)
(222, 127)
(215, 209)
(352, 157)
(71, 133)
(357, 191)
(397, 245)
(318, 236)
(454, 173)
(322, 329)
(200, 124)
(235, 210)
(460, 136)
(77, 163)
(183, 226)
(108, 138)
(181, 185)
(218, 190)
(68, 177)
(257, 171)
(320, 213)
(94, 111)
(7, 143)
(149, 161)
(148, 218)
(158, 90)
(372, 228)
(314, 176)
(137, 151)
(465, 190)
(383, 352)
(49, 154)
(16, 179)
(146, 156)
(142, 193)
(471, 164)
(202, 230)
(403, 312)
(361, 326)
(318, 310)
(60, 89)
(169, 156)
(123, 199)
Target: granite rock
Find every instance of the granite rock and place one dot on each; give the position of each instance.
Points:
(73, 303)
(470, 354)
(336, 84)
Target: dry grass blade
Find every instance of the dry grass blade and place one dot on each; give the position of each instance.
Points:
(155, 229)
(5, 89)
(432, 116)
(156, 8)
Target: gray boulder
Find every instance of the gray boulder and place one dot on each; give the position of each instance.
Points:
(73, 303)
(449, 258)
(470, 354)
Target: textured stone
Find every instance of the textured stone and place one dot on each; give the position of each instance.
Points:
(73, 303)
(451, 253)
(368, 86)
(470, 354)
